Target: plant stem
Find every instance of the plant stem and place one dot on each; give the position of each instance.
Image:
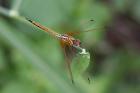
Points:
(16, 5)
(13, 14)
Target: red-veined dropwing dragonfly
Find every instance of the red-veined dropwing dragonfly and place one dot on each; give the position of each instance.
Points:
(67, 42)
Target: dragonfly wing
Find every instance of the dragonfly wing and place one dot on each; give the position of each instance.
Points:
(69, 54)
(79, 32)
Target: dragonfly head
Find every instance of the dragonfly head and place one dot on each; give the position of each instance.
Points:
(76, 42)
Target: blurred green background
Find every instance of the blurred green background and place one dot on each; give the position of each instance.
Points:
(31, 61)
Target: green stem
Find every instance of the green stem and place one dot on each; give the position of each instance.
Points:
(16, 5)
(13, 14)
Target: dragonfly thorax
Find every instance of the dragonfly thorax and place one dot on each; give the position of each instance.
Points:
(70, 40)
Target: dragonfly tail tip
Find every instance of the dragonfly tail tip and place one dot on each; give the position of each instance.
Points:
(29, 19)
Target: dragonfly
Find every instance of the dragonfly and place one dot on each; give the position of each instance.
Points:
(68, 43)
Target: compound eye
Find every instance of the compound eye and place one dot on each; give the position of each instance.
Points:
(77, 42)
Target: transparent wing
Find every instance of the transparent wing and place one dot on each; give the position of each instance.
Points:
(79, 32)
(68, 54)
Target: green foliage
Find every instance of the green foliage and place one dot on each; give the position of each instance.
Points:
(32, 62)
